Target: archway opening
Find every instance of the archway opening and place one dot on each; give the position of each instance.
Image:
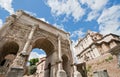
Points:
(37, 53)
(44, 48)
(65, 65)
(8, 54)
(44, 44)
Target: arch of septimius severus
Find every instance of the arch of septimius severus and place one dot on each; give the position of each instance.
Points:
(21, 33)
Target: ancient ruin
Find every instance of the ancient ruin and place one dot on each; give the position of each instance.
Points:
(96, 55)
(21, 33)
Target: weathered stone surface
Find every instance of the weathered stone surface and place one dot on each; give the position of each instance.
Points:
(97, 55)
(23, 33)
(15, 72)
(77, 74)
(61, 73)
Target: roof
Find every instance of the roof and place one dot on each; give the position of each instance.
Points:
(97, 42)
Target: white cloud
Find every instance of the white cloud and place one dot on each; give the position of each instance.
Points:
(74, 42)
(36, 55)
(43, 19)
(69, 7)
(74, 9)
(95, 6)
(78, 33)
(1, 23)
(109, 20)
(92, 15)
(7, 5)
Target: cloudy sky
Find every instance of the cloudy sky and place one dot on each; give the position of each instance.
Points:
(73, 16)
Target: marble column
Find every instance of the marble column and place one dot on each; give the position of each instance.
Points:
(75, 71)
(17, 68)
(60, 71)
(27, 44)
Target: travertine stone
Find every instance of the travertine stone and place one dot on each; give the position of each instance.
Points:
(28, 32)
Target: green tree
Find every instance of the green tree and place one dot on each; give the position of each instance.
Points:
(33, 61)
(32, 68)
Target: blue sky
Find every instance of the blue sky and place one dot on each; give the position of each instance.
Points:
(73, 16)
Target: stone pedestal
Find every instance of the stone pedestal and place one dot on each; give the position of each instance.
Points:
(61, 73)
(77, 74)
(15, 72)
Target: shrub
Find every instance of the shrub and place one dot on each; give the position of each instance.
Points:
(109, 59)
(32, 69)
(89, 68)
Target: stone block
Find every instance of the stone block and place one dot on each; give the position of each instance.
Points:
(61, 73)
(15, 72)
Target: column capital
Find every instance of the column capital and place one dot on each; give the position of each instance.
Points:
(24, 53)
(59, 37)
(35, 26)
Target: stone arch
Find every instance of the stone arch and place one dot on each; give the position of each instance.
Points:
(10, 47)
(15, 40)
(8, 53)
(66, 65)
(45, 44)
(53, 42)
(49, 48)
(30, 33)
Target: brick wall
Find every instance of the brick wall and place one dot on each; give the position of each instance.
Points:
(105, 62)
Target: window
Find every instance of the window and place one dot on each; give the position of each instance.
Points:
(100, 74)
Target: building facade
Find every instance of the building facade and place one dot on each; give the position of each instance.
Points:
(41, 67)
(98, 55)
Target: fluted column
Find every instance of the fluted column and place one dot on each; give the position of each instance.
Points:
(20, 59)
(60, 71)
(75, 71)
(59, 53)
(27, 44)
(18, 64)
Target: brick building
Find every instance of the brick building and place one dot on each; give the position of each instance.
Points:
(98, 55)
(40, 67)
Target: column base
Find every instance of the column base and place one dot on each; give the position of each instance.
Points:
(61, 73)
(15, 72)
(77, 74)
